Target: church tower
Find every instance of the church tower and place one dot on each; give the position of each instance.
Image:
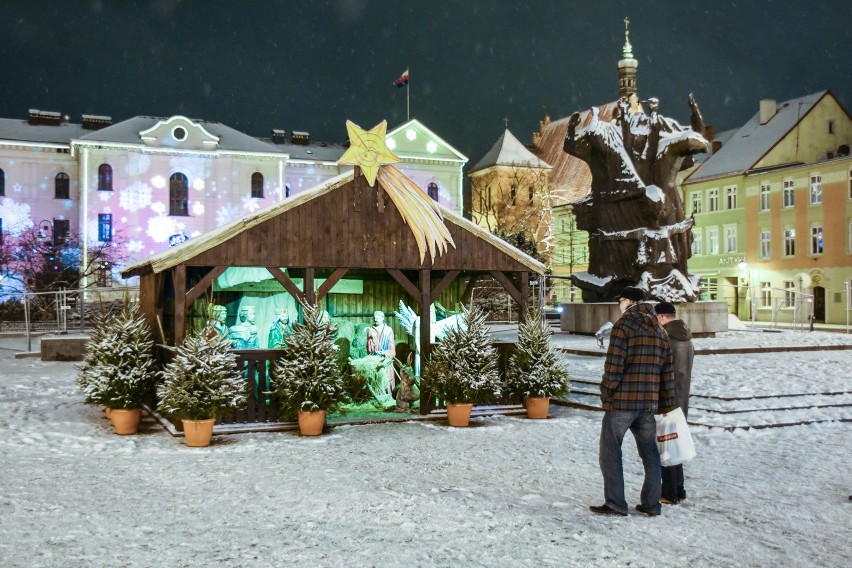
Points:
(627, 67)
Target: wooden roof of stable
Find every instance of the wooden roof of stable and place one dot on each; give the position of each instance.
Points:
(337, 224)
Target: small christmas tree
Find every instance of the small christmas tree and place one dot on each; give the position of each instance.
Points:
(118, 365)
(202, 381)
(463, 366)
(535, 368)
(307, 376)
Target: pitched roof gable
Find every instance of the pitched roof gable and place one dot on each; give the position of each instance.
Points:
(508, 151)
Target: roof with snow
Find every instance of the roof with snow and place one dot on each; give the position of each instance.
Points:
(753, 140)
(22, 131)
(508, 151)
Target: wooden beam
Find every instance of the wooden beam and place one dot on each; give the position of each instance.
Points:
(310, 293)
(412, 290)
(330, 282)
(204, 283)
(507, 285)
(288, 284)
(524, 280)
(445, 281)
(468, 289)
(179, 281)
(427, 398)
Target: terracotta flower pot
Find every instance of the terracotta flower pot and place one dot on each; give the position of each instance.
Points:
(125, 421)
(108, 412)
(458, 413)
(311, 423)
(537, 406)
(198, 432)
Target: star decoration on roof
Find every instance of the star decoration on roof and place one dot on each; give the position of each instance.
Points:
(368, 149)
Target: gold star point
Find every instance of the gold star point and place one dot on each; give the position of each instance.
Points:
(368, 149)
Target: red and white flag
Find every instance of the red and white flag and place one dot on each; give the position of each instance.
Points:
(402, 81)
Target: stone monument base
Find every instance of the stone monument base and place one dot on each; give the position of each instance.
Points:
(703, 318)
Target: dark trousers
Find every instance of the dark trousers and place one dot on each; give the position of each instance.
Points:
(673, 483)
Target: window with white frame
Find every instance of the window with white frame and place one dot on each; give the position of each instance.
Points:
(711, 286)
(765, 243)
(712, 200)
(765, 294)
(764, 197)
(816, 239)
(789, 241)
(816, 189)
(789, 293)
(730, 238)
(696, 242)
(696, 198)
(731, 197)
(712, 240)
(789, 187)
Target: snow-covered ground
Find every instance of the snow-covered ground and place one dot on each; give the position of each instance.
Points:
(505, 492)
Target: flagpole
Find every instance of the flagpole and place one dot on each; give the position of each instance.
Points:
(408, 97)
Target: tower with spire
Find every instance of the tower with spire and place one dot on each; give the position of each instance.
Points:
(627, 67)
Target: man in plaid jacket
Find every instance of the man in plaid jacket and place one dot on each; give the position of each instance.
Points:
(638, 382)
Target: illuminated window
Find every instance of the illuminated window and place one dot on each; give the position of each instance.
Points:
(816, 240)
(730, 238)
(789, 293)
(764, 196)
(104, 227)
(696, 242)
(104, 177)
(789, 199)
(696, 202)
(731, 197)
(3, 182)
(713, 200)
(178, 195)
(61, 231)
(816, 190)
(765, 244)
(789, 241)
(62, 186)
(432, 190)
(765, 294)
(712, 240)
(257, 184)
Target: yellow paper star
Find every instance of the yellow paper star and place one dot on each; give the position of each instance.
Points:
(368, 149)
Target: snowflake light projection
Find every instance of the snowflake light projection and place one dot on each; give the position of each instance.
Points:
(198, 208)
(135, 197)
(161, 228)
(159, 208)
(226, 214)
(250, 203)
(158, 181)
(139, 165)
(17, 188)
(134, 245)
(198, 184)
(16, 216)
(105, 196)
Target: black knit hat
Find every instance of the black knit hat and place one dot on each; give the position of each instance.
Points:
(665, 308)
(632, 294)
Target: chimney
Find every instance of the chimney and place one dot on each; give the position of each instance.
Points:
(716, 145)
(301, 138)
(44, 117)
(96, 122)
(279, 136)
(767, 110)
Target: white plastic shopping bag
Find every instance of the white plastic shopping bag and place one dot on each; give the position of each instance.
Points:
(673, 438)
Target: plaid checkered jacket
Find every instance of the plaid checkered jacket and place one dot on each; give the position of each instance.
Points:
(638, 371)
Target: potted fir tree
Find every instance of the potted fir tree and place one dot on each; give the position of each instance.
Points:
(117, 371)
(463, 367)
(308, 380)
(201, 383)
(535, 370)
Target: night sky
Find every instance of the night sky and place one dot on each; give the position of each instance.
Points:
(311, 65)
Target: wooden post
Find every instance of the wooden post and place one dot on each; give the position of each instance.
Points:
(310, 293)
(524, 286)
(179, 280)
(427, 398)
(149, 299)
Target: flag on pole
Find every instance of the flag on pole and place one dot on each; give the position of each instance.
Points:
(402, 81)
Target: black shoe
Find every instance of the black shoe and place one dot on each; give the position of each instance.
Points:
(665, 501)
(606, 510)
(645, 511)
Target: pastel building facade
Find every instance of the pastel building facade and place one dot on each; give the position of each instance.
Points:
(773, 212)
(151, 183)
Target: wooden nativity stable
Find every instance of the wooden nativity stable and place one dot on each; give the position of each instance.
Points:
(343, 228)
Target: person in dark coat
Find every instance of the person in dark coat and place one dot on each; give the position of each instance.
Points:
(683, 353)
(637, 383)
